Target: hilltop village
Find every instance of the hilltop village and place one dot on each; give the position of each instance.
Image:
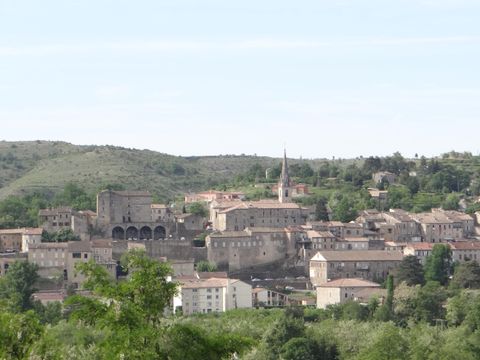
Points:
(239, 253)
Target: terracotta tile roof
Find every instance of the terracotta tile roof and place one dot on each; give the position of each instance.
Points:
(49, 245)
(204, 283)
(33, 231)
(349, 282)
(101, 243)
(54, 211)
(79, 246)
(312, 234)
(262, 204)
(421, 246)
(358, 255)
(11, 231)
(355, 239)
(49, 296)
(213, 274)
(465, 245)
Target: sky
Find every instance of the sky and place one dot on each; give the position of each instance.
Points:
(325, 78)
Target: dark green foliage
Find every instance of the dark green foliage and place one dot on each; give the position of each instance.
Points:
(439, 264)
(321, 212)
(63, 235)
(205, 266)
(345, 210)
(288, 326)
(466, 276)
(18, 332)
(410, 271)
(197, 208)
(76, 197)
(17, 286)
(18, 212)
(428, 304)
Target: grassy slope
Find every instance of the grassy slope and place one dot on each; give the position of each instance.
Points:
(47, 166)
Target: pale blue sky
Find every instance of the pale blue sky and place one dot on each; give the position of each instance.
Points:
(328, 78)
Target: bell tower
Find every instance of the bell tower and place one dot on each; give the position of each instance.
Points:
(284, 190)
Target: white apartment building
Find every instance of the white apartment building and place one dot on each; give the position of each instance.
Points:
(212, 295)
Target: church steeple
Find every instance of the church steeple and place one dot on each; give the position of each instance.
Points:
(285, 179)
(284, 192)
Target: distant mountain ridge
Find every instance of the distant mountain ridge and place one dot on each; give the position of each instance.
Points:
(46, 166)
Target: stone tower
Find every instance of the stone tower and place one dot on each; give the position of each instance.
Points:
(284, 190)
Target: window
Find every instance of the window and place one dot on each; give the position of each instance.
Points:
(85, 256)
(76, 255)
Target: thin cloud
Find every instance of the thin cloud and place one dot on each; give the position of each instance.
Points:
(254, 44)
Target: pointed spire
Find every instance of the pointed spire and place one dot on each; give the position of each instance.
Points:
(285, 179)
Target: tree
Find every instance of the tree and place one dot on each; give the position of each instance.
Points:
(345, 211)
(18, 334)
(298, 348)
(410, 271)
(451, 202)
(385, 312)
(388, 343)
(197, 208)
(205, 266)
(428, 303)
(17, 286)
(438, 265)
(288, 326)
(321, 212)
(143, 296)
(466, 276)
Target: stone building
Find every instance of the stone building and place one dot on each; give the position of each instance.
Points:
(162, 213)
(18, 240)
(437, 227)
(55, 219)
(212, 295)
(64, 218)
(263, 213)
(214, 195)
(128, 215)
(384, 176)
(51, 258)
(370, 265)
(342, 290)
(237, 250)
(83, 251)
(267, 297)
(462, 251)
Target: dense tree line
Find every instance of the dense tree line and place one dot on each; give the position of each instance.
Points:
(419, 319)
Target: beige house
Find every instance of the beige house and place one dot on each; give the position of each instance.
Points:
(212, 295)
(51, 258)
(31, 236)
(55, 219)
(235, 250)
(214, 195)
(264, 213)
(463, 250)
(437, 227)
(267, 297)
(352, 243)
(342, 290)
(321, 240)
(83, 251)
(161, 212)
(420, 250)
(370, 265)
